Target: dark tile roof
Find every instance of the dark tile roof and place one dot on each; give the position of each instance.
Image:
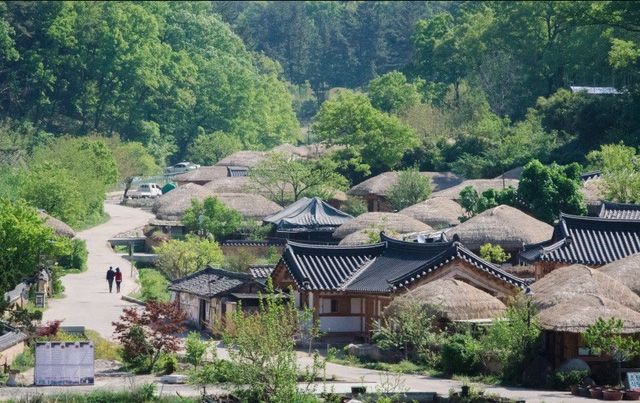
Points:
(250, 242)
(236, 171)
(308, 214)
(587, 240)
(315, 267)
(209, 282)
(378, 268)
(590, 175)
(261, 271)
(620, 211)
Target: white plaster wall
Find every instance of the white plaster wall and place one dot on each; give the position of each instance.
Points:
(341, 324)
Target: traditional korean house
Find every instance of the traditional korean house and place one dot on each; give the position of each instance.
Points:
(620, 211)
(591, 241)
(209, 295)
(309, 219)
(247, 159)
(349, 286)
(626, 270)
(201, 175)
(480, 185)
(374, 190)
(381, 222)
(438, 212)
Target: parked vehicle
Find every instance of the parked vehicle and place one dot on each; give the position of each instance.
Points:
(181, 168)
(146, 190)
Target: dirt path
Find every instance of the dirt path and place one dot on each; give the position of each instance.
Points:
(87, 300)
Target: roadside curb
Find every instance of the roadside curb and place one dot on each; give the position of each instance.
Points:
(134, 300)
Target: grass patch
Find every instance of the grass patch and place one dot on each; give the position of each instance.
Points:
(103, 348)
(24, 360)
(402, 367)
(92, 222)
(145, 393)
(153, 285)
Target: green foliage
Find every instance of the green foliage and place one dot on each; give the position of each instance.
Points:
(209, 148)
(392, 93)
(412, 329)
(24, 360)
(195, 349)
(132, 158)
(140, 394)
(25, 241)
(354, 206)
(410, 188)
(460, 354)
(104, 349)
(177, 258)
(167, 364)
(473, 204)
(286, 179)
(562, 380)
(494, 253)
(211, 217)
(545, 191)
(153, 286)
(605, 336)
(620, 167)
(262, 350)
(513, 340)
(374, 141)
(77, 259)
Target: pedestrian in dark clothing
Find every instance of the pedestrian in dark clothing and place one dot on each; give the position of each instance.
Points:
(110, 275)
(118, 277)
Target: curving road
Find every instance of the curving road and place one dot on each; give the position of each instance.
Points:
(87, 301)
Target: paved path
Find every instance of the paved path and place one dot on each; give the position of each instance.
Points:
(87, 300)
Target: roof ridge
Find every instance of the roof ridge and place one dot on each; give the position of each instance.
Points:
(574, 217)
(356, 274)
(334, 247)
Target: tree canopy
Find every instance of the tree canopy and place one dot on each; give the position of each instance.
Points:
(211, 217)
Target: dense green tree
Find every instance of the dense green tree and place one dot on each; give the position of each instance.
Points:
(546, 191)
(620, 167)
(473, 203)
(131, 158)
(286, 179)
(373, 139)
(392, 93)
(178, 258)
(493, 253)
(211, 218)
(209, 148)
(411, 187)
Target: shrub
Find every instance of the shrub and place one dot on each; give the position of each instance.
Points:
(494, 253)
(354, 206)
(411, 188)
(460, 354)
(24, 360)
(563, 380)
(153, 286)
(167, 364)
(195, 349)
(77, 259)
(103, 348)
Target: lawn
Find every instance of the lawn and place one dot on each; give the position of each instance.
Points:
(153, 285)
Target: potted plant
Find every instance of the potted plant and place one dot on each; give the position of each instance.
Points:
(612, 394)
(632, 395)
(596, 392)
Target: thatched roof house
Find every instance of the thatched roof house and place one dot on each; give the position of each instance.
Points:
(360, 237)
(480, 185)
(626, 271)
(374, 190)
(201, 175)
(565, 283)
(592, 191)
(454, 299)
(172, 205)
(513, 173)
(59, 227)
(379, 222)
(243, 159)
(290, 149)
(436, 212)
(503, 225)
(230, 184)
(581, 311)
(249, 205)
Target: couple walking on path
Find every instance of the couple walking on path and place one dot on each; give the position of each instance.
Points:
(114, 275)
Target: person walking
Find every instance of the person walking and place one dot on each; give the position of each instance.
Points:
(118, 277)
(110, 276)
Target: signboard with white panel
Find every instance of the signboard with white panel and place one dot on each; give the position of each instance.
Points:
(64, 363)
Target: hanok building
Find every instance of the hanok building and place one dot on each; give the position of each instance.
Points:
(620, 211)
(590, 241)
(309, 219)
(209, 295)
(349, 287)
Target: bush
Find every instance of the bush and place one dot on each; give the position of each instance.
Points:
(167, 364)
(103, 348)
(24, 360)
(77, 259)
(354, 206)
(460, 354)
(563, 380)
(153, 286)
(195, 348)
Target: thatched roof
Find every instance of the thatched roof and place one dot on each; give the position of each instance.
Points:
(454, 299)
(290, 149)
(230, 184)
(59, 227)
(503, 225)
(202, 174)
(626, 271)
(437, 212)
(360, 237)
(399, 223)
(577, 313)
(243, 159)
(379, 185)
(513, 173)
(565, 283)
(172, 205)
(480, 185)
(249, 205)
(592, 191)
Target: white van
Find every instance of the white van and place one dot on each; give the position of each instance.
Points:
(146, 190)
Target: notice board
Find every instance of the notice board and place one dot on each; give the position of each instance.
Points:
(633, 381)
(64, 363)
